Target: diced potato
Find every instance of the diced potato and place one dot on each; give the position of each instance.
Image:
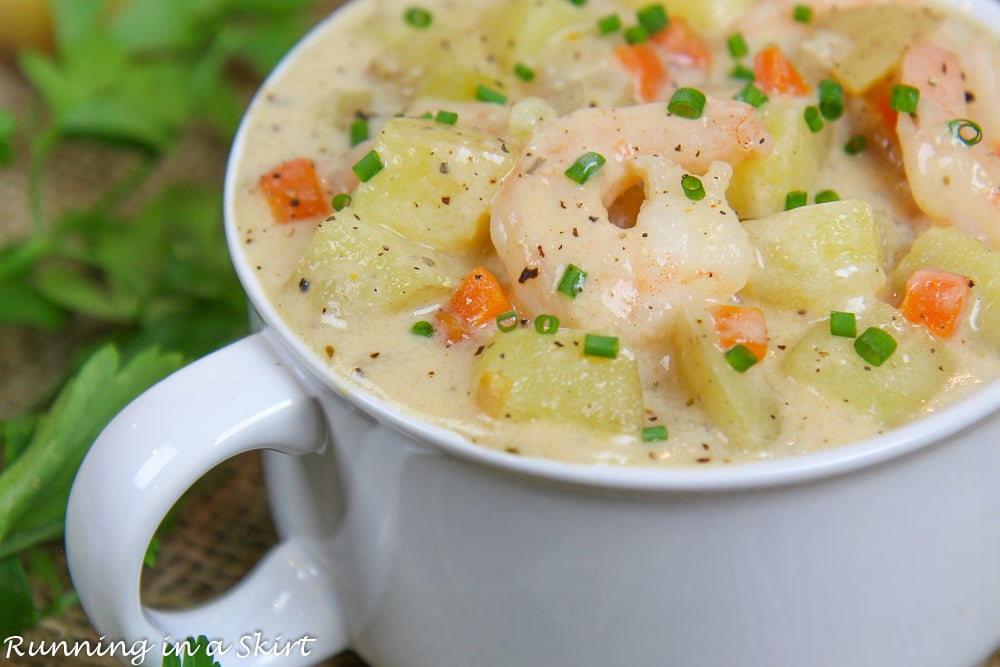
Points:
(437, 182)
(520, 30)
(869, 40)
(742, 405)
(759, 185)
(950, 249)
(705, 16)
(816, 257)
(526, 376)
(892, 392)
(353, 265)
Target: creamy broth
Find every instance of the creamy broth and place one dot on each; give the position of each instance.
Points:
(369, 62)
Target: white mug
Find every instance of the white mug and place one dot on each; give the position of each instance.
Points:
(416, 548)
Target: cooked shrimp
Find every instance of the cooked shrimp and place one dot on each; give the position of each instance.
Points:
(645, 246)
(951, 182)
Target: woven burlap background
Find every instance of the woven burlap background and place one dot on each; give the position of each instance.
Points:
(222, 526)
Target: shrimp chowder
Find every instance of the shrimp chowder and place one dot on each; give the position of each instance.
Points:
(623, 232)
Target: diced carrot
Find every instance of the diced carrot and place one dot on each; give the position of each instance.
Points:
(477, 302)
(294, 192)
(775, 73)
(681, 43)
(649, 74)
(880, 98)
(936, 299)
(735, 325)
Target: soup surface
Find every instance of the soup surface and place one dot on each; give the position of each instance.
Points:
(688, 233)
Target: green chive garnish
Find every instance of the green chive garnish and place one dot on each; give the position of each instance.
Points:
(752, 95)
(831, 99)
(585, 167)
(653, 18)
(635, 34)
(358, 131)
(486, 94)
(422, 328)
(875, 346)
(743, 73)
(572, 281)
(737, 45)
(687, 103)
(904, 99)
(826, 196)
(609, 24)
(654, 433)
(740, 357)
(802, 13)
(813, 119)
(341, 201)
(417, 17)
(595, 345)
(446, 117)
(546, 324)
(507, 321)
(368, 166)
(856, 144)
(795, 199)
(524, 73)
(843, 324)
(966, 131)
(578, 3)
(693, 187)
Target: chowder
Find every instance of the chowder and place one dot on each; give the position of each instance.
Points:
(679, 233)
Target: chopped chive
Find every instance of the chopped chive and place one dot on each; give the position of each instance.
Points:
(422, 328)
(585, 167)
(966, 131)
(341, 201)
(795, 199)
(507, 321)
(368, 166)
(687, 103)
(740, 357)
(427, 115)
(802, 13)
(904, 99)
(358, 131)
(826, 196)
(843, 324)
(813, 119)
(857, 144)
(446, 117)
(831, 99)
(693, 188)
(486, 94)
(572, 281)
(653, 18)
(752, 95)
(524, 73)
(737, 45)
(743, 72)
(609, 24)
(654, 433)
(595, 345)
(635, 34)
(578, 3)
(875, 345)
(546, 324)
(417, 17)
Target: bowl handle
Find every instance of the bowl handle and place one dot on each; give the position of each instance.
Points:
(237, 399)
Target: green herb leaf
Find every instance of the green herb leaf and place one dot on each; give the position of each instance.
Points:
(17, 613)
(8, 126)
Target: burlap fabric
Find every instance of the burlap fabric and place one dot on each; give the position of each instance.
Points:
(222, 526)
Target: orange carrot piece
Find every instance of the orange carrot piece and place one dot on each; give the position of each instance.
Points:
(294, 192)
(936, 299)
(775, 73)
(478, 301)
(649, 74)
(736, 325)
(681, 43)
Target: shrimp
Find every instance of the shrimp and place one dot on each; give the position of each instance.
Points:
(646, 248)
(951, 182)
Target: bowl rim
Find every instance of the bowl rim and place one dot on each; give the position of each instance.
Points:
(934, 429)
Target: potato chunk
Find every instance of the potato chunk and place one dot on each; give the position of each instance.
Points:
(436, 184)
(816, 257)
(526, 376)
(742, 405)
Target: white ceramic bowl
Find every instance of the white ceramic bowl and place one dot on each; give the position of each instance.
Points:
(417, 548)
